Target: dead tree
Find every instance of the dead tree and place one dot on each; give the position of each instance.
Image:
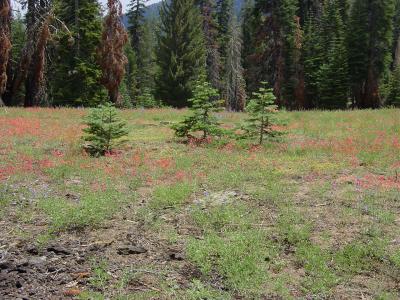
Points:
(41, 24)
(111, 51)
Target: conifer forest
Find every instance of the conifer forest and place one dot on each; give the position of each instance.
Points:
(199, 149)
(324, 54)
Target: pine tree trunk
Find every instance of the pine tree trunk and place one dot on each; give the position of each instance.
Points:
(5, 43)
(371, 96)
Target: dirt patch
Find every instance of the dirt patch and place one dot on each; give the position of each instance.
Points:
(63, 268)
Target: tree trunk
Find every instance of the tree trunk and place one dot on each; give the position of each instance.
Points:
(371, 92)
(35, 83)
(5, 43)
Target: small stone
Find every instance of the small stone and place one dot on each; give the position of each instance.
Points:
(32, 250)
(58, 250)
(128, 250)
(5, 265)
(22, 262)
(37, 261)
(176, 256)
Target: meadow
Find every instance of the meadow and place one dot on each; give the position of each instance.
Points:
(313, 215)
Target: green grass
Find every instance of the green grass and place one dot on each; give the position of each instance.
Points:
(312, 215)
(91, 210)
(170, 196)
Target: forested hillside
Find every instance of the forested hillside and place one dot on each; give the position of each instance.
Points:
(200, 149)
(333, 54)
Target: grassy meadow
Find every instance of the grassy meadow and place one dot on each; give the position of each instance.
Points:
(314, 215)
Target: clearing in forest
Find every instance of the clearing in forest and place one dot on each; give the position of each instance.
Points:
(312, 216)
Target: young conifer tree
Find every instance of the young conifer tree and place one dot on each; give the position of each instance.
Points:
(261, 110)
(202, 118)
(105, 130)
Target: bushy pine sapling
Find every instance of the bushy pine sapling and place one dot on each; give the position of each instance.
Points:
(261, 110)
(147, 100)
(203, 107)
(105, 130)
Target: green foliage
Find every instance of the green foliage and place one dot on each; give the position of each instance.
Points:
(224, 16)
(147, 100)
(359, 256)
(142, 41)
(370, 37)
(239, 257)
(332, 81)
(130, 79)
(312, 60)
(316, 261)
(393, 97)
(261, 110)
(181, 53)
(199, 291)
(75, 77)
(203, 106)
(105, 130)
(290, 36)
(170, 195)
(91, 210)
(100, 275)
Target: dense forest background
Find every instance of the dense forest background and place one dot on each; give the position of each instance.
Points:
(325, 54)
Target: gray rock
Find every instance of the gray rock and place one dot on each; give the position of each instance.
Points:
(129, 250)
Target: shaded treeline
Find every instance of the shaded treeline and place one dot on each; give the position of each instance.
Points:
(326, 54)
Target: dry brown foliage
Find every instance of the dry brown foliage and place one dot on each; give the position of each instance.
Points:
(111, 51)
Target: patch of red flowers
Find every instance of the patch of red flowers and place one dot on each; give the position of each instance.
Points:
(20, 126)
(164, 163)
(370, 181)
(25, 164)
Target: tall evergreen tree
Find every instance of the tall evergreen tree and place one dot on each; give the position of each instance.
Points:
(140, 31)
(224, 14)
(248, 36)
(18, 39)
(290, 71)
(76, 75)
(312, 59)
(369, 44)
(130, 78)
(181, 53)
(235, 91)
(146, 65)
(277, 55)
(394, 88)
(396, 36)
(333, 72)
(262, 63)
(309, 7)
(210, 29)
(136, 19)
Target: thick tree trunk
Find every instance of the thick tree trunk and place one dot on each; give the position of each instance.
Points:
(371, 96)
(5, 43)
(35, 83)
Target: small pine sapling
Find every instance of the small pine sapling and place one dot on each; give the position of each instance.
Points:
(261, 110)
(105, 130)
(147, 100)
(203, 107)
